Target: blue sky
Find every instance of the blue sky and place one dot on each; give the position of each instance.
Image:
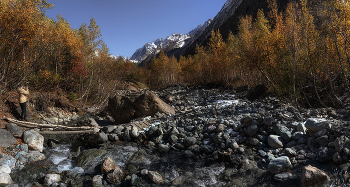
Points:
(127, 25)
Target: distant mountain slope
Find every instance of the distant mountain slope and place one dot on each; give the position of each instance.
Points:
(174, 41)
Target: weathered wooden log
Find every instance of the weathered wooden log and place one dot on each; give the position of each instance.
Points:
(36, 125)
(67, 132)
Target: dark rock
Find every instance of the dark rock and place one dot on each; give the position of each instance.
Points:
(251, 130)
(325, 154)
(7, 138)
(259, 91)
(190, 141)
(242, 89)
(126, 108)
(283, 176)
(282, 131)
(207, 149)
(14, 130)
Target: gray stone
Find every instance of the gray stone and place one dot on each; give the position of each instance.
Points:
(163, 148)
(279, 164)
(190, 141)
(51, 179)
(340, 143)
(7, 138)
(24, 147)
(102, 138)
(251, 130)
(268, 121)
(34, 140)
(254, 141)
(109, 128)
(297, 135)
(325, 154)
(323, 140)
(317, 124)
(207, 149)
(113, 137)
(301, 127)
(275, 141)
(172, 139)
(282, 131)
(291, 152)
(188, 154)
(283, 176)
(320, 133)
(14, 130)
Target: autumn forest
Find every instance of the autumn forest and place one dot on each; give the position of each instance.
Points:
(298, 52)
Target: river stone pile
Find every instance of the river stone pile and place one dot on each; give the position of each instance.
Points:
(239, 141)
(15, 157)
(214, 124)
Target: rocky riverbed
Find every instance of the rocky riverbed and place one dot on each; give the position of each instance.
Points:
(216, 137)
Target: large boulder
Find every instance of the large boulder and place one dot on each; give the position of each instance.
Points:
(124, 108)
(34, 140)
(312, 176)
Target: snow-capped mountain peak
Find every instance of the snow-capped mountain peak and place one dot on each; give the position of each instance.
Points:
(176, 40)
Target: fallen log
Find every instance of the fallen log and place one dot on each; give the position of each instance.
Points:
(36, 125)
(67, 132)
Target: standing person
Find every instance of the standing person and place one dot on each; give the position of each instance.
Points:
(23, 94)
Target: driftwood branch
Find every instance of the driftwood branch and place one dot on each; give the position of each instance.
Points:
(36, 125)
(67, 132)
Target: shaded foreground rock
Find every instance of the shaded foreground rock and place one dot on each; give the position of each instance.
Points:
(312, 176)
(6, 138)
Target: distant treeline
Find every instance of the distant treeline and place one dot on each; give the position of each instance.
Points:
(288, 51)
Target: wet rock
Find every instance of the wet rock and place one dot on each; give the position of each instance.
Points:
(108, 165)
(116, 176)
(51, 179)
(317, 124)
(279, 164)
(155, 177)
(14, 130)
(34, 140)
(275, 141)
(89, 159)
(24, 147)
(312, 176)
